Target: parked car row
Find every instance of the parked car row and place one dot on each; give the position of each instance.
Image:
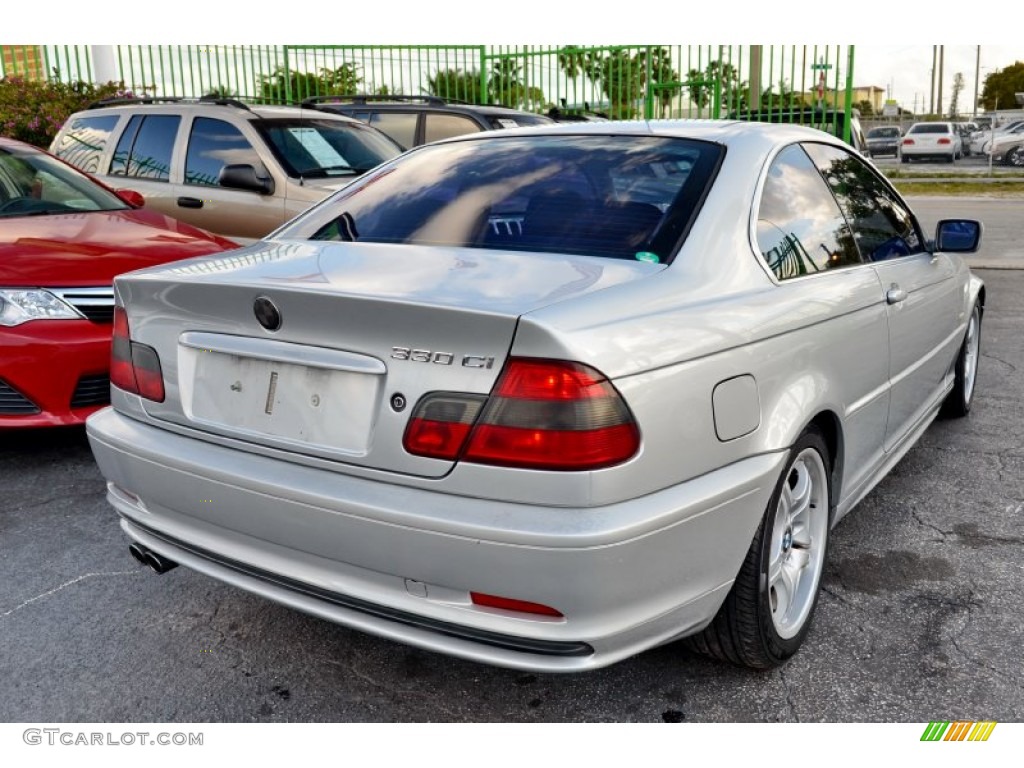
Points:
(949, 141)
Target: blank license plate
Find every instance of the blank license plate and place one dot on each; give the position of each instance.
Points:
(296, 403)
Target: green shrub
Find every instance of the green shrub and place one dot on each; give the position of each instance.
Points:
(34, 111)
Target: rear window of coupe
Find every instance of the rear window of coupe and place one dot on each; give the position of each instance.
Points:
(627, 197)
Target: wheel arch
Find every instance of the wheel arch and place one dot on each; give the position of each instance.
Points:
(827, 422)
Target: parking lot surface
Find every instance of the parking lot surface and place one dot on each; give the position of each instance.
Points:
(920, 618)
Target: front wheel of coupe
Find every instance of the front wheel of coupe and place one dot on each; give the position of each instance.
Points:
(768, 611)
(958, 402)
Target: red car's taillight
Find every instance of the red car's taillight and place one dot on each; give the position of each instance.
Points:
(542, 414)
(134, 367)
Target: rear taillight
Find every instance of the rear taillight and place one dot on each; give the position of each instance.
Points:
(134, 367)
(440, 425)
(944, 141)
(907, 142)
(542, 414)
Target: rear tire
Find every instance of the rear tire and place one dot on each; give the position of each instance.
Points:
(904, 159)
(1015, 157)
(958, 402)
(768, 611)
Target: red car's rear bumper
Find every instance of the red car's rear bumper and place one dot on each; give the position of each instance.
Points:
(60, 366)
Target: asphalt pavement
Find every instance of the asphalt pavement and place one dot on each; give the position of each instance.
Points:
(920, 618)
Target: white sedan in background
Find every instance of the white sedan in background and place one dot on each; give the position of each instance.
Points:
(924, 140)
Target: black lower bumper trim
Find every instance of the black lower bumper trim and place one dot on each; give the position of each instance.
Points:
(482, 636)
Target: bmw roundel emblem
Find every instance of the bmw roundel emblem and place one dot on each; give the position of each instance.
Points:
(268, 315)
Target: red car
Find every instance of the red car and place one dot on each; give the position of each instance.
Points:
(63, 238)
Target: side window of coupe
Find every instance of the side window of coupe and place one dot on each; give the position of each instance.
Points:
(83, 143)
(882, 225)
(800, 229)
(144, 150)
(212, 145)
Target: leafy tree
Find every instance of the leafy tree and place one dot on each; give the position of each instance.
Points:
(623, 76)
(281, 85)
(622, 81)
(574, 62)
(867, 109)
(220, 92)
(701, 85)
(664, 78)
(456, 84)
(1002, 85)
(785, 98)
(507, 84)
(958, 86)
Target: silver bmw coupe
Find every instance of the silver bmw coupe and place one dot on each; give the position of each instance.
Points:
(545, 398)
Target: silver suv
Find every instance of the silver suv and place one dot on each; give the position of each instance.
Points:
(231, 168)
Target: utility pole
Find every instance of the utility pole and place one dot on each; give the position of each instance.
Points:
(977, 74)
(755, 76)
(942, 59)
(104, 64)
(931, 93)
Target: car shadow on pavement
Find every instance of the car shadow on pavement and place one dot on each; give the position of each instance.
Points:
(25, 441)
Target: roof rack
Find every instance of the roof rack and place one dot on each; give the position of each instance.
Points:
(363, 98)
(120, 100)
(224, 102)
(126, 100)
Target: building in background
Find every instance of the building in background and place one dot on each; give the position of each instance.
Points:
(22, 61)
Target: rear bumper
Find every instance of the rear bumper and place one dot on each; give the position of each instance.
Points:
(44, 360)
(914, 151)
(400, 562)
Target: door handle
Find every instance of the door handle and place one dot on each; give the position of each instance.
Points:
(189, 202)
(895, 294)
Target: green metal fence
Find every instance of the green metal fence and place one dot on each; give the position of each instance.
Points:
(621, 81)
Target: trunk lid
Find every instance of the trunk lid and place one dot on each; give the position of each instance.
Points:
(366, 330)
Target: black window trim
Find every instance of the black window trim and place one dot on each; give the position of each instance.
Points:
(756, 207)
(143, 115)
(887, 185)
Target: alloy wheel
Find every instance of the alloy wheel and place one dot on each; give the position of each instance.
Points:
(797, 547)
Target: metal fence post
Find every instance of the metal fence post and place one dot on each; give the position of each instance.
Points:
(483, 74)
(649, 95)
(287, 79)
(849, 93)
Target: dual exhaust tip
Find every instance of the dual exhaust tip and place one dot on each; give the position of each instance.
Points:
(146, 556)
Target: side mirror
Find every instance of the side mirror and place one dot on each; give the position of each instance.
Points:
(130, 196)
(958, 235)
(244, 176)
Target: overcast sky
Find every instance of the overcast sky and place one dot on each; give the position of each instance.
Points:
(899, 55)
(906, 70)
